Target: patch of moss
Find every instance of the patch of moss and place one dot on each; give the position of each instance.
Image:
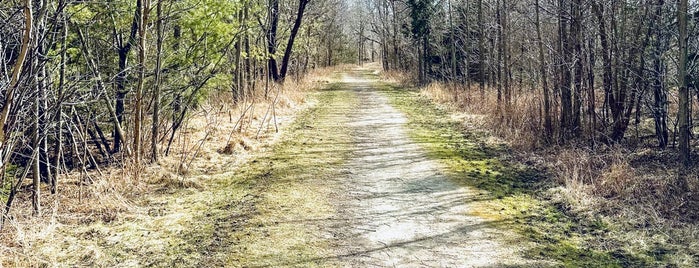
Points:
(476, 162)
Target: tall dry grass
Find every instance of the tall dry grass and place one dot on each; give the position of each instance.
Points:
(520, 126)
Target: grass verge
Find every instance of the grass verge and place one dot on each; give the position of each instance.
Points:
(294, 196)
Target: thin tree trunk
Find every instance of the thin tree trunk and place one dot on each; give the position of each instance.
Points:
(684, 121)
(576, 44)
(158, 81)
(58, 147)
(659, 91)
(564, 51)
(124, 48)
(292, 37)
(481, 48)
(16, 73)
(548, 126)
(452, 43)
(36, 159)
(138, 116)
(119, 131)
(272, 38)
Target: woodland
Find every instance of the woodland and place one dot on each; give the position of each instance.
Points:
(87, 84)
(599, 95)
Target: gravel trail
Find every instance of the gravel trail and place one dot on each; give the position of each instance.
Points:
(397, 208)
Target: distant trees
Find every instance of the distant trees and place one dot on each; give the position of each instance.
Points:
(602, 66)
(84, 84)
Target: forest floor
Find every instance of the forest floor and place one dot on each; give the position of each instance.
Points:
(370, 174)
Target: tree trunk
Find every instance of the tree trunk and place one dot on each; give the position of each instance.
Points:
(16, 73)
(138, 115)
(659, 91)
(452, 48)
(119, 131)
(564, 51)
(481, 47)
(292, 37)
(548, 126)
(124, 48)
(58, 147)
(684, 120)
(158, 81)
(272, 38)
(608, 82)
(576, 44)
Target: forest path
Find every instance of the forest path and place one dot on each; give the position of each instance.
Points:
(367, 175)
(349, 184)
(397, 206)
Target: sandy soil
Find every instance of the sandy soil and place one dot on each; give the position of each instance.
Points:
(397, 209)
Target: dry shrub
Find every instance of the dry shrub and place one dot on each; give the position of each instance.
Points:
(238, 145)
(398, 77)
(519, 126)
(617, 179)
(575, 167)
(644, 184)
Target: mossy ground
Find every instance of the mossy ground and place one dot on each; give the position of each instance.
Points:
(294, 188)
(514, 192)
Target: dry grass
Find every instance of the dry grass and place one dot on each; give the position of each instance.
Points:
(398, 77)
(217, 138)
(519, 127)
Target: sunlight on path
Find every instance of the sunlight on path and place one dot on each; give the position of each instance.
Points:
(401, 211)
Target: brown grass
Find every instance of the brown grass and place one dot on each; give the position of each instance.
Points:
(215, 139)
(520, 127)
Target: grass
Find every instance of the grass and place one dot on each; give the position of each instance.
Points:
(519, 194)
(266, 212)
(295, 188)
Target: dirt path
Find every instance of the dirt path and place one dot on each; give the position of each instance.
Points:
(398, 207)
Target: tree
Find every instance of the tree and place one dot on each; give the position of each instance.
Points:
(15, 79)
(548, 127)
(292, 38)
(683, 114)
(138, 114)
(155, 129)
